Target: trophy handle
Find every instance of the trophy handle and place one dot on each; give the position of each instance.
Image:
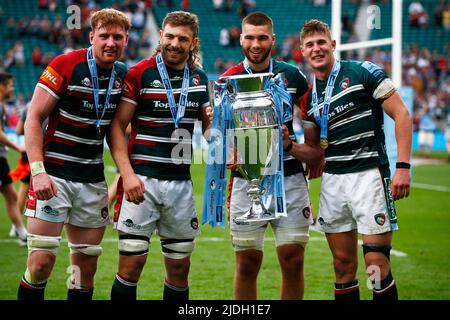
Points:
(211, 92)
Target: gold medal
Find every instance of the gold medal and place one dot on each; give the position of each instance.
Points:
(99, 133)
(324, 143)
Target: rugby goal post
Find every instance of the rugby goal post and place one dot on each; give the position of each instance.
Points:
(396, 42)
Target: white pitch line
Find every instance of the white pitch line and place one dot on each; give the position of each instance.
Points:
(430, 187)
(217, 239)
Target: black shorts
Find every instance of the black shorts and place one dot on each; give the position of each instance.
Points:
(5, 179)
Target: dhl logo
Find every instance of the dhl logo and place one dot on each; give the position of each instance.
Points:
(51, 78)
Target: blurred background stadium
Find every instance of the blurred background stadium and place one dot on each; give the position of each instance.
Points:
(32, 32)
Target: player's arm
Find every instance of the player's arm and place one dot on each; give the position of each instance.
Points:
(42, 104)
(5, 141)
(206, 117)
(20, 127)
(133, 186)
(308, 152)
(397, 110)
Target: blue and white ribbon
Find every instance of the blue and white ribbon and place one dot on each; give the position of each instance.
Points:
(323, 120)
(216, 175)
(216, 179)
(177, 113)
(95, 87)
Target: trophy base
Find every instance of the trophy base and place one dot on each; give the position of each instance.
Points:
(251, 216)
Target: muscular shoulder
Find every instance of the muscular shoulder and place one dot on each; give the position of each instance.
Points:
(121, 68)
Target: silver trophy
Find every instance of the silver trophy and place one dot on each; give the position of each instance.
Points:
(256, 138)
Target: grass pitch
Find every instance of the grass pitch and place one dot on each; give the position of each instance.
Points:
(421, 260)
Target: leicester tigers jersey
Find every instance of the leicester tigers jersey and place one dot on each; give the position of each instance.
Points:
(355, 118)
(154, 149)
(72, 148)
(297, 86)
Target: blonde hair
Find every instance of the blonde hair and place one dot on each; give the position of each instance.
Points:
(110, 17)
(182, 19)
(314, 26)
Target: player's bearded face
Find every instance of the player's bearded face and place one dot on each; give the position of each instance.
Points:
(176, 43)
(257, 43)
(8, 89)
(108, 44)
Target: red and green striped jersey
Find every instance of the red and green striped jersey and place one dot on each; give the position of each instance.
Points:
(72, 149)
(355, 117)
(297, 86)
(152, 150)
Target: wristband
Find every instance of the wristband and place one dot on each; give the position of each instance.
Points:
(37, 167)
(402, 165)
(289, 147)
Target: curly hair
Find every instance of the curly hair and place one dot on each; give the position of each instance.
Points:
(183, 18)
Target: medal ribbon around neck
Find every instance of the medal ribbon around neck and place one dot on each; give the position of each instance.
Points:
(323, 121)
(95, 87)
(249, 70)
(176, 114)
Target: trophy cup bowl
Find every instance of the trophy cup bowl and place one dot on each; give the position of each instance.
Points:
(256, 134)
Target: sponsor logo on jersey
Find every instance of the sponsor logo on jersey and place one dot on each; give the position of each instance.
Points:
(323, 222)
(194, 223)
(51, 78)
(165, 105)
(380, 218)
(104, 213)
(91, 106)
(156, 84)
(344, 83)
(374, 69)
(130, 224)
(240, 223)
(196, 80)
(48, 210)
(118, 83)
(306, 212)
(86, 82)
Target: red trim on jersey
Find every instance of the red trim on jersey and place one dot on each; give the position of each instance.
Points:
(54, 160)
(304, 106)
(51, 127)
(73, 122)
(157, 95)
(138, 162)
(59, 71)
(237, 69)
(31, 199)
(150, 123)
(64, 141)
(146, 142)
(347, 290)
(119, 199)
(83, 95)
(24, 284)
(133, 79)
